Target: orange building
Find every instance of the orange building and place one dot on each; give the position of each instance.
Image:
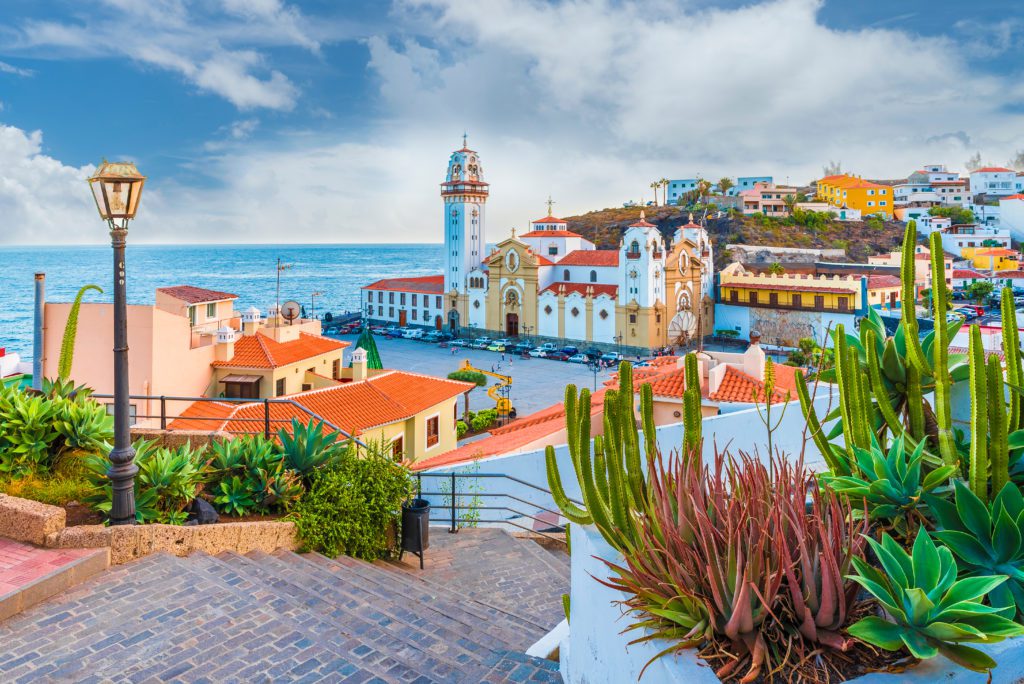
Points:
(853, 192)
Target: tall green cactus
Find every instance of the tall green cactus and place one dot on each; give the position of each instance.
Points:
(940, 355)
(1011, 353)
(978, 475)
(692, 418)
(999, 456)
(611, 475)
(908, 297)
(67, 344)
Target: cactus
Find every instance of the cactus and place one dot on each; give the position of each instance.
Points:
(836, 464)
(940, 355)
(999, 457)
(611, 475)
(978, 475)
(692, 419)
(1011, 352)
(908, 297)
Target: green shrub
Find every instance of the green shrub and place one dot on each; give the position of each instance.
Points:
(248, 474)
(460, 429)
(353, 505)
(55, 490)
(168, 480)
(475, 377)
(483, 420)
(308, 448)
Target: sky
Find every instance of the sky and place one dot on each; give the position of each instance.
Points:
(331, 121)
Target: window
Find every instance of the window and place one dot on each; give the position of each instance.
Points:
(336, 369)
(553, 250)
(414, 300)
(391, 297)
(306, 387)
(871, 204)
(797, 300)
(401, 299)
(438, 303)
(391, 312)
(432, 431)
(871, 192)
(634, 247)
(734, 296)
(773, 298)
(632, 318)
(426, 316)
(397, 449)
(593, 276)
(242, 390)
(844, 303)
(819, 301)
(191, 315)
(881, 203)
(752, 298)
(380, 297)
(565, 275)
(279, 388)
(211, 310)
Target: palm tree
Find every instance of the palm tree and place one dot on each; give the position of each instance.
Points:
(67, 345)
(703, 187)
(725, 184)
(776, 268)
(654, 186)
(664, 190)
(790, 202)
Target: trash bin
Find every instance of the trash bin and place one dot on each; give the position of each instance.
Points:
(415, 528)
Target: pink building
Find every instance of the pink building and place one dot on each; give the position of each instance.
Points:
(767, 199)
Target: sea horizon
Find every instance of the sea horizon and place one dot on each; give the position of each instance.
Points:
(337, 270)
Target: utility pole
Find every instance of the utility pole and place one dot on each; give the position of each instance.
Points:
(280, 267)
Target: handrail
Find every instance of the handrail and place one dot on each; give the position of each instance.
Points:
(163, 399)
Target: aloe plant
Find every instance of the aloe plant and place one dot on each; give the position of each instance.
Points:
(929, 610)
(234, 497)
(986, 539)
(890, 486)
(307, 447)
(67, 345)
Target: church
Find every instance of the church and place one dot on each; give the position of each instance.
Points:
(551, 283)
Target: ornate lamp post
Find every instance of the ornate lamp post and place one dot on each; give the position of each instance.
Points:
(117, 187)
(312, 303)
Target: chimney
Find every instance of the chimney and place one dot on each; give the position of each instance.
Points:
(225, 348)
(37, 332)
(753, 358)
(358, 364)
(251, 321)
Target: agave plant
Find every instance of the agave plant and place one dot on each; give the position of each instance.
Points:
(260, 471)
(307, 447)
(891, 486)
(62, 388)
(929, 610)
(85, 426)
(27, 432)
(986, 540)
(233, 496)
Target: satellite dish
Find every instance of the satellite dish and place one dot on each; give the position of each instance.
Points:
(290, 311)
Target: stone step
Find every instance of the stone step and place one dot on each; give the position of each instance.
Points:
(333, 595)
(374, 646)
(515, 631)
(511, 666)
(30, 575)
(558, 567)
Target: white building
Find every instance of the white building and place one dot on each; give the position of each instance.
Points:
(993, 180)
(1011, 211)
(956, 238)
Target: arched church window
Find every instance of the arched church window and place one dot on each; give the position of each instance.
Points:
(634, 247)
(593, 276)
(565, 275)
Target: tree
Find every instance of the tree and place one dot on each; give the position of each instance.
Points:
(725, 184)
(833, 168)
(979, 291)
(367, 343)
(703, 188)
(654, 186)
(664, 190)
(991, 243)
(957, 215)
(974, 162)
(67, 345)
(790, 202)
(1017, 161)
(776, 268)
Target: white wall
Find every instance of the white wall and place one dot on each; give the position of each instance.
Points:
(547, 323)
(576, 326)
(604, 329)
(606, 275)
(1012, 217)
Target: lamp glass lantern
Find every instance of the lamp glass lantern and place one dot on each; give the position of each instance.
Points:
(117, 187)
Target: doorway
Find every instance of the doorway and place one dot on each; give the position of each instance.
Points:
(401, 318)
(512, 325)
(437, 323)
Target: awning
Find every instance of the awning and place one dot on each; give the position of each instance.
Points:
(242, 379)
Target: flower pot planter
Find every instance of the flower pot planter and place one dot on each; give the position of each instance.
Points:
(595, 651)
(415, 528)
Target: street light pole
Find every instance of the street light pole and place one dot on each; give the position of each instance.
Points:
(117, 188)
(312, 303)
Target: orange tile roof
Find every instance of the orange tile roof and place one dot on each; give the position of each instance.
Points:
(196, 295)
(739, 387)
(432, 284)
(991, 169)
(1014, 197)
(879, 281)
(591, 257)
(846, 181)
(261, 351)
(967, 273)
(551, 233)
(355, 407)
(581, 288)
(998, 251)
(549, 219)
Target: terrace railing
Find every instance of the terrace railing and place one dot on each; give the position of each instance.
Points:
(457, 504)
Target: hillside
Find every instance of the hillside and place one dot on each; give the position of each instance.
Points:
(857, 238)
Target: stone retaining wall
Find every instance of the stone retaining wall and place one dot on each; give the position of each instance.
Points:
(44, 525)
(172, 439)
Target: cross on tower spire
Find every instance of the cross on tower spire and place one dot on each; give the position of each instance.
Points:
(464, 136)
(550, 202)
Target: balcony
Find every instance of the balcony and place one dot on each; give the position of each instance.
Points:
(632, 255)
(792, 307)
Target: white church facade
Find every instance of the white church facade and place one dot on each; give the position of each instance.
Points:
(551, 283)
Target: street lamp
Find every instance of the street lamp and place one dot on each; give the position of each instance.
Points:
(117, 187)
(618, 344)
(595, 368)
(312, 303)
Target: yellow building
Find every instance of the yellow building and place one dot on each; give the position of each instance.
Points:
(412, 415)
(853, 192)
(992, 258)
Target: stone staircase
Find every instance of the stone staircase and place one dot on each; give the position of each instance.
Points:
(482, 600)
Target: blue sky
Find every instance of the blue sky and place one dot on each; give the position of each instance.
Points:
(331, 121)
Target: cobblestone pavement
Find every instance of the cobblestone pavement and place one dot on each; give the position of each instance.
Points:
(536, 383)
(484, 598)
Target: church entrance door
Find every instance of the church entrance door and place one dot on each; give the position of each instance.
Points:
(402, 318)
(453, 322)
(512, 325)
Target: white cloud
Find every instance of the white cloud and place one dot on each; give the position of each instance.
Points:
(41, 199)
(6, 68)
(215, 49)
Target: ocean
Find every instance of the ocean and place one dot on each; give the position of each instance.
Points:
(249, 271)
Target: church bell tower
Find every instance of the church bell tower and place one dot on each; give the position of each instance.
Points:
(465, 195)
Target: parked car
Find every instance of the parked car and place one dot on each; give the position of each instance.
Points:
(557, 356)
(570, 350)
(504, 342)
(432, 336)
(593, 352)
(496, 346)
(578, 358)
(413, 333)
(520, 348)
(537, 353)
(482, 343)
(549, 346)
(611, 357)
(460, 342)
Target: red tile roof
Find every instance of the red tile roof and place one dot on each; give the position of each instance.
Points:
(998, 251)
(196, 295)
(739, 387)
(880, 281)
(591, 257)
(581, 288)
(642, 223)
(967, 273)
(261, 351)
(549, 219)
(432, 284)
(991, 169)
(551, 233)
(1014, 197)
(355, 407)
(1012, 275)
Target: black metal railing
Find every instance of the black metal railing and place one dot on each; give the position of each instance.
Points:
(449, 513)
(266, 419)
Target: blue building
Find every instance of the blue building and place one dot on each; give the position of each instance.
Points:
(747, 183)
(678, 188)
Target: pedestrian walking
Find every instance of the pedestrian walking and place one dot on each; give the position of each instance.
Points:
(503, 356)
